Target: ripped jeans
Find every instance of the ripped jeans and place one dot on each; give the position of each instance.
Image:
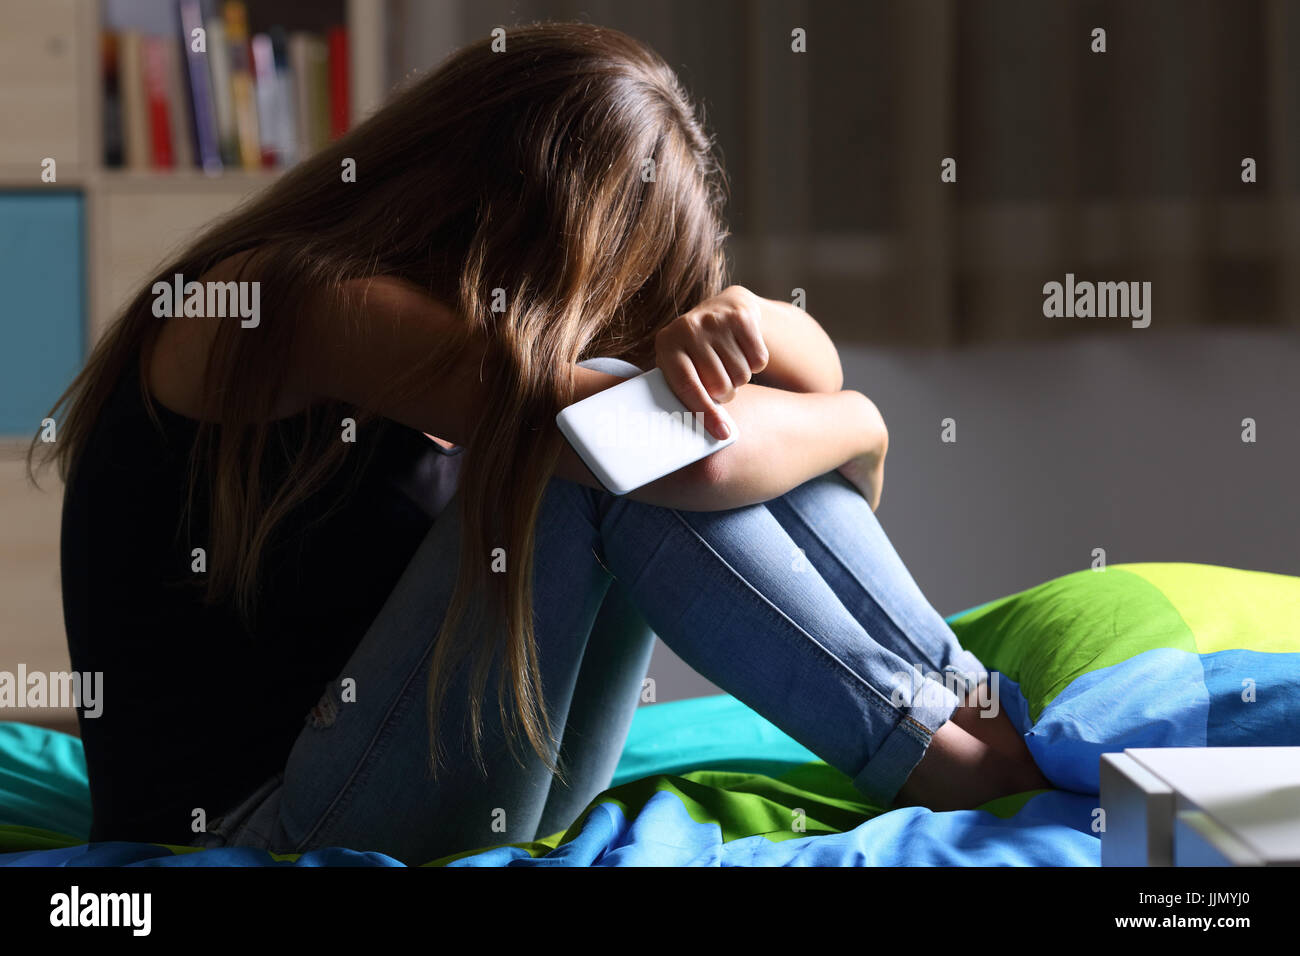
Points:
(799, 607)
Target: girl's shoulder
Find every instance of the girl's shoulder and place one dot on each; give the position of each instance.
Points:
(178, 356)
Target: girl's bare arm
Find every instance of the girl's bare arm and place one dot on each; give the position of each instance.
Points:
(786, 439)
(802, 356)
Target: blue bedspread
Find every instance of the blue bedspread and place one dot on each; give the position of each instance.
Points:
(1151, 655)
(704, 782)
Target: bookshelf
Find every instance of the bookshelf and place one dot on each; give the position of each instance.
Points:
(72, 250)
(51, 104)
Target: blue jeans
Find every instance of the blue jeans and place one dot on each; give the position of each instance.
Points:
(799, 607)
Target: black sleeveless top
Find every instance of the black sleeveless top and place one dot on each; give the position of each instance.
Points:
(198, 709)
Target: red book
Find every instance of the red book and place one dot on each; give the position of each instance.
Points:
(338, 47)
(155, 94)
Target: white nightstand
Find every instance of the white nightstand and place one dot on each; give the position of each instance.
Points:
(1201, 806)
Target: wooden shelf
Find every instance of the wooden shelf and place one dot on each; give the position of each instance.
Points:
(16, 179)
(175, 180)
(185, 180)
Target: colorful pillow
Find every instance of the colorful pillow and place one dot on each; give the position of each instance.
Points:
(1143, 655)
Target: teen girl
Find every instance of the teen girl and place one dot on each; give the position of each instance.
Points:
(319, 625)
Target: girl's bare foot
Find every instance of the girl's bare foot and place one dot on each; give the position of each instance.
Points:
(972, 759)
(992, 726)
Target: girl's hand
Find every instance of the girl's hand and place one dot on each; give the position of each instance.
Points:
(711, 351)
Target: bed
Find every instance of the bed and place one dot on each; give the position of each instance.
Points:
(1140, 655)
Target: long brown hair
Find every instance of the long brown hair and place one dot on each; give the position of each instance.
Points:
(572, 171)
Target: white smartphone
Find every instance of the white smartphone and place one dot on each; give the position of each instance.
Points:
(636, 432)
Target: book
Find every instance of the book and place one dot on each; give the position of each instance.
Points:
(219, 73)
(319, 84)
(112, 116)
(308, 60)
(216, 97)
(203, 108)
(298, 46)
(338, 61)
(135, 118)
(178, 114)
(268, 99)
(155, 94)
(288, 131)
(241, 84)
